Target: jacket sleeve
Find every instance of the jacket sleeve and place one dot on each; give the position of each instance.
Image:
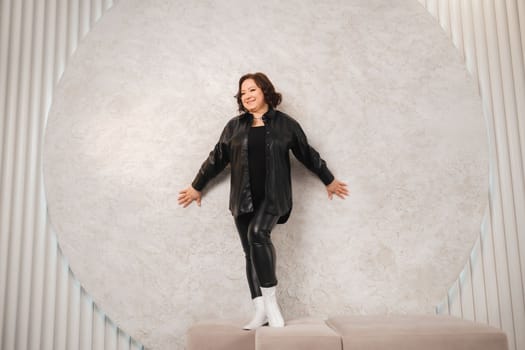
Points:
(215, 163)
(307, 155)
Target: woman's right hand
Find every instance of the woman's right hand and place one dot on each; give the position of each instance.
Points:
(188, 195)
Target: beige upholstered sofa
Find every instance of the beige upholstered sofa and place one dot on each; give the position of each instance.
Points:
(358, 332)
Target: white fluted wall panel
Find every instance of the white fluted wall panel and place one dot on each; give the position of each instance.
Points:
(42, 305)
(490, 34)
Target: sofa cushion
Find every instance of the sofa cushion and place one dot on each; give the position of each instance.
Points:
(299, 334)
(415, 332)
(220, 335)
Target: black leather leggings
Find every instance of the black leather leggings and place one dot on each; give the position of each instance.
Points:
(254, 230)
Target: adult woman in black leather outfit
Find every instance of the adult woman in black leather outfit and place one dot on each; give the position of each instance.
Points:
(256, 144)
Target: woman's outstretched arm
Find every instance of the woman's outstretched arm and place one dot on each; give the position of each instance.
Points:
(211, 167)
(307, 155)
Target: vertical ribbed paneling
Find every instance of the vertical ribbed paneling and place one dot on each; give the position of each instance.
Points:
(42, 305)
(490, 35)
(10, 184)
(42, 297)
(516, 43)
(26, 178)
(4, 238)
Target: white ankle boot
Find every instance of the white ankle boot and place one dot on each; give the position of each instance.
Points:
(275, 319)
(259, 319)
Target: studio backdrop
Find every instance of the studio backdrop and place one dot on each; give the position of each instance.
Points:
(144, 99)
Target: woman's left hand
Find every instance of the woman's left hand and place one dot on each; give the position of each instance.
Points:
(338, 188)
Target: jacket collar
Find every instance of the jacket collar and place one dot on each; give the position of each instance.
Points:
(270, 113)
(267, 116)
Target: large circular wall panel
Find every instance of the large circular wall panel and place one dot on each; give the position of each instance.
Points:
(381, 94)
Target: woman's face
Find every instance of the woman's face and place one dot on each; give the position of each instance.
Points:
(252, 97)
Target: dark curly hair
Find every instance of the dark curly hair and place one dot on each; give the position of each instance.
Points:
(272, 97)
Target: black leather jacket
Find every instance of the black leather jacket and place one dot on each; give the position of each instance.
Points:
(283, 133)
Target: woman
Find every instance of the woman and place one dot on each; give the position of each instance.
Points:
(256, 144)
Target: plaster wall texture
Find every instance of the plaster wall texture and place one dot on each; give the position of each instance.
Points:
(381, 94)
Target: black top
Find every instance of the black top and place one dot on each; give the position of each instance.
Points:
(257, 163)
